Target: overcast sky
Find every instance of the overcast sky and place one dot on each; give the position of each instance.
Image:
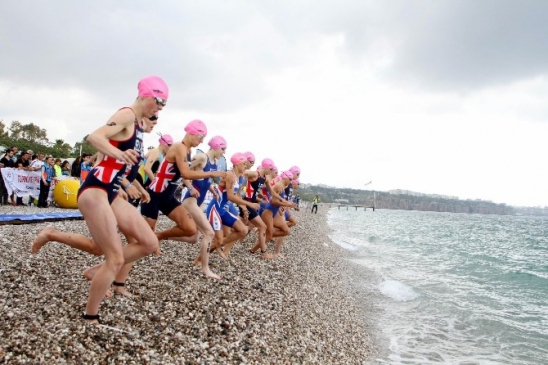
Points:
(443, 97)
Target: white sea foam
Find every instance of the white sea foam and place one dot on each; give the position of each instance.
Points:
(343, 243)
(397, 291)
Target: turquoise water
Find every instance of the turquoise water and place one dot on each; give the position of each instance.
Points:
(451, 288)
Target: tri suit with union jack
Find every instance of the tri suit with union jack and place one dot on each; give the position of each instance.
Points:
(108, 173)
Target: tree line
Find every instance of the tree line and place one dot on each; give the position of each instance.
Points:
(384, 200)
(31, 137)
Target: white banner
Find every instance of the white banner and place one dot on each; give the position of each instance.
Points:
(23, 183)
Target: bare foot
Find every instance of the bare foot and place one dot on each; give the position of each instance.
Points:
(221, 253)
(89, 273)
(122, 291)
(93, 322)
(210, 274)
(267, 256)
(41, 239)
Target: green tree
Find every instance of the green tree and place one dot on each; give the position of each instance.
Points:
(29, 132)
(2, 128)
(61, 149)
(86, 147)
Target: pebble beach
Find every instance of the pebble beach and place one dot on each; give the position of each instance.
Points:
(297, 309)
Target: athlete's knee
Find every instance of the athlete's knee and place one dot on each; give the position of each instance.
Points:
(114, 262)
(209, 234)
(149, 245)
(261, 226)
(242, 231)
(189, 228)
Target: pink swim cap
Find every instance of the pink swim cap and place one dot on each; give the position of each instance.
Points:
(295, 170)
(275, 169)
(267, 163)
(250, 157)
(217, 143)
(153, 86)
(196, 127)
(287, 175)
(237, 158)
(165, 139)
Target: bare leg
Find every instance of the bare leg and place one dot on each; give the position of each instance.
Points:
(261, 227)
(185, 225)
(217, 243)
(278, 247)
(281, 230)
(203, 226)
(118, 286)
(101, 222)
(131, 224)
(269, 229)
(177, 234)
(74, 240)
(239, 232)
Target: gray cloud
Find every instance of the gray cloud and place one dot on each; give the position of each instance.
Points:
(216, 56)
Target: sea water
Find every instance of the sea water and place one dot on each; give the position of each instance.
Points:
(450, 288)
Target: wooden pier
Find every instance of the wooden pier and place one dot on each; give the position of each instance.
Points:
(355, 206)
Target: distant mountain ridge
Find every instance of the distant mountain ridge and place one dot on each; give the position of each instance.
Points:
(423, 202)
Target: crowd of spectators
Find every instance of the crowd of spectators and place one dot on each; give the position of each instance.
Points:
(51, 168)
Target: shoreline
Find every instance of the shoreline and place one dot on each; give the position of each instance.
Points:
(298, 309)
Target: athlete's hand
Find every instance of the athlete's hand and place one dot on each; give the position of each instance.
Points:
(145, 197)
(129, 157)
(255, 206)
(133, 192)
(195, 193)
(122, 194)
(220, 174)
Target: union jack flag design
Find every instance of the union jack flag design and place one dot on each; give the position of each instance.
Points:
(108, 169)
(167, 174)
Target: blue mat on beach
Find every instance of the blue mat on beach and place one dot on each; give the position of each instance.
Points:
(32, 218)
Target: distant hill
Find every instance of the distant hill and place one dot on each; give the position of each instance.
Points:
(384, 200)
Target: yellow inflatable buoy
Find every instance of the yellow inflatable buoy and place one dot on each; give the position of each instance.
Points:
(66, 192)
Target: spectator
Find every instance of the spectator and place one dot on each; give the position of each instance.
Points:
(35, 165)
(65, 168)
(5, 161)
(85, 167)
(15, 150)
(75, 170)
(32, 155)
(23, 163)
(48, 174)
(315, 204)
(57, 167)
